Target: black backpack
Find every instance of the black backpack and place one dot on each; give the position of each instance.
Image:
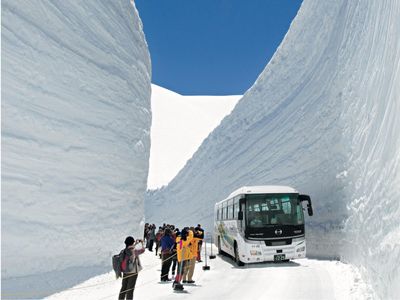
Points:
(116, 262)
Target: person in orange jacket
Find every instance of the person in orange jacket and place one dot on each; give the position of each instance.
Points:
(183, 255)
(189, 270)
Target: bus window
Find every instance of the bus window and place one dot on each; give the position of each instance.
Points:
(224, 215)
(299, 214)
(236, 207)
(267, 209)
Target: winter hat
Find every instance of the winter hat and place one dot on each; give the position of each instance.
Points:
(129, 241)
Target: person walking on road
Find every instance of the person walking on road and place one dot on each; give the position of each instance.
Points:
(159, 234)
(201, 237)
(130, 267)
(167, 245)
(183, 255)
(152, 236)
(191, 263)
(174, 235)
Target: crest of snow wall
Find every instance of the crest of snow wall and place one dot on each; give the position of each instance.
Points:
(75, 132)
(323, 118)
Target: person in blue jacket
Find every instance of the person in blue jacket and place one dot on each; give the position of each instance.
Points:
(167, 247)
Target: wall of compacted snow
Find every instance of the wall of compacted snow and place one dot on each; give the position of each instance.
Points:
(75, 133)
(179, 126)
(322, 117)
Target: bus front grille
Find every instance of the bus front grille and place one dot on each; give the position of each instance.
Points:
(281, 242)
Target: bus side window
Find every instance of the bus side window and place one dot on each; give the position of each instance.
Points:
(236, 208)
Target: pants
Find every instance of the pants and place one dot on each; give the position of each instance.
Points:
(174, 263)
(151, 242)
(128, 286)
(157, 246)
(192, 264)
(181, 267)
(199, 251)
(186, 270)
(166, 264)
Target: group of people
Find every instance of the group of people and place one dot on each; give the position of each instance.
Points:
(179, 249)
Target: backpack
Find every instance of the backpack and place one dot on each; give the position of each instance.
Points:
(117, 263)
(130, 264)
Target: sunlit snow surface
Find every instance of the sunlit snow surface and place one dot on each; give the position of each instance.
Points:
(179, 126)
(75, 136)
(322, 117)
(303, 279)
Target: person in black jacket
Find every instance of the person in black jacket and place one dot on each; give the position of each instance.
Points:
(174, 235)
(200, 235)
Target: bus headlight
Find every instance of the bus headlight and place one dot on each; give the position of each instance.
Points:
(255, 252)
(301, 249)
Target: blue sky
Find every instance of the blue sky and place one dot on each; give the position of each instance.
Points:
(213, 47)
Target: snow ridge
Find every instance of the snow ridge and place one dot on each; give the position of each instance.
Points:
(322, 118)
(75, 132)
(180, 122)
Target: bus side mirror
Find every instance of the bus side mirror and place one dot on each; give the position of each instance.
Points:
(307, 198)
(240, 215)
(310, 210)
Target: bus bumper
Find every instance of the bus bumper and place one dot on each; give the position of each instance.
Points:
(262, 253)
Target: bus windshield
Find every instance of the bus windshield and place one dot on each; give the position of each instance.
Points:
(273, 209)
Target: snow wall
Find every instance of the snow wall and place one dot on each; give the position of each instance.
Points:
(322, 117)
(75, 135)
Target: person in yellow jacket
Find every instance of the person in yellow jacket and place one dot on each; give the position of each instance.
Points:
(183, 255)
(189, 266)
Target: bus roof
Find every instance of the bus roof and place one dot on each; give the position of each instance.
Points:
(263, 189)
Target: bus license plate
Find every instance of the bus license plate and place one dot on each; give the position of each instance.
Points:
(279, 257)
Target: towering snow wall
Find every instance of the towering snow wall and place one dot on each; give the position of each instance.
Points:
(75, 134)
(322, 117)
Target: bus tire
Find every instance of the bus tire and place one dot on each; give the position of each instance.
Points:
(237, 256)
(219, 246)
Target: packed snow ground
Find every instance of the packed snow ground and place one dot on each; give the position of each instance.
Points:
(179, 126)
(300, 279)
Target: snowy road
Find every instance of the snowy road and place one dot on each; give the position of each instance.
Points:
(300, 279)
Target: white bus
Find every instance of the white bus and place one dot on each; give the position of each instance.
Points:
(261, 223)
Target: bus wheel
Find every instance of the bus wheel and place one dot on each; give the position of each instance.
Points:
(219, 246)
(237, 257)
